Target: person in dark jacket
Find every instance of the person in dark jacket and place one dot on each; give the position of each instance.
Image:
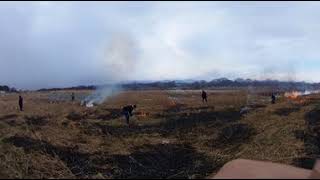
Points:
(72, 97)
(20, 103)
(273, 98)
(127, 111)
(204, 96)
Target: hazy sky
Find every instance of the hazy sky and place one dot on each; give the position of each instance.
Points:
(49, 44)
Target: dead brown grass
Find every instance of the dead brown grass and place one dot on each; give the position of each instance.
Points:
(173, 135)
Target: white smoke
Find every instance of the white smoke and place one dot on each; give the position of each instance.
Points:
(101, 94)
(119, 58)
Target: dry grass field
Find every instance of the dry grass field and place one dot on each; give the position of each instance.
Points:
(172, 135)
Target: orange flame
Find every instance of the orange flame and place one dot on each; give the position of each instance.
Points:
(172, 103)
(292, 95)
(142, 114)
(296, 96)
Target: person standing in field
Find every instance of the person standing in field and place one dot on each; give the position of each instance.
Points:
(273, 98)
(72, 97)
(20, 103)
(204, 96)
(127, 111)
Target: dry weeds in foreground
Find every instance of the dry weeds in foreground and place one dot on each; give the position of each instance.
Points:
(173, 135)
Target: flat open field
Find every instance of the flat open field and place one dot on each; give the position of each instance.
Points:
(172, 135)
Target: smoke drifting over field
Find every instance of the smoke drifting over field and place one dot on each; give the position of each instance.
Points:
(119, 61)
(100, 95)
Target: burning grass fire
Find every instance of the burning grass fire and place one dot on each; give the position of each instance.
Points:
(295, 94)
(142, 114)
(292, 95)
(298, 96)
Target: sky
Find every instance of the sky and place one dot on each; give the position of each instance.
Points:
(62, 44)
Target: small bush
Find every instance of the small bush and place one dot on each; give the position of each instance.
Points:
(75, 116)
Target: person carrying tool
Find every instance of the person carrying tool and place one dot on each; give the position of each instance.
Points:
(127, 111)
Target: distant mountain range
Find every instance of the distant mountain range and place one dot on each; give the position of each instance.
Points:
(196, 84)
(223, 83)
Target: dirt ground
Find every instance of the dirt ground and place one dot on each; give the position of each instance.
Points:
(173, 134)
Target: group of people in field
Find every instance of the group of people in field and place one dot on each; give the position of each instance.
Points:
(20, 101)
(127, 110)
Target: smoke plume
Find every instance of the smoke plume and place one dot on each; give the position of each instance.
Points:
(119, 59)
